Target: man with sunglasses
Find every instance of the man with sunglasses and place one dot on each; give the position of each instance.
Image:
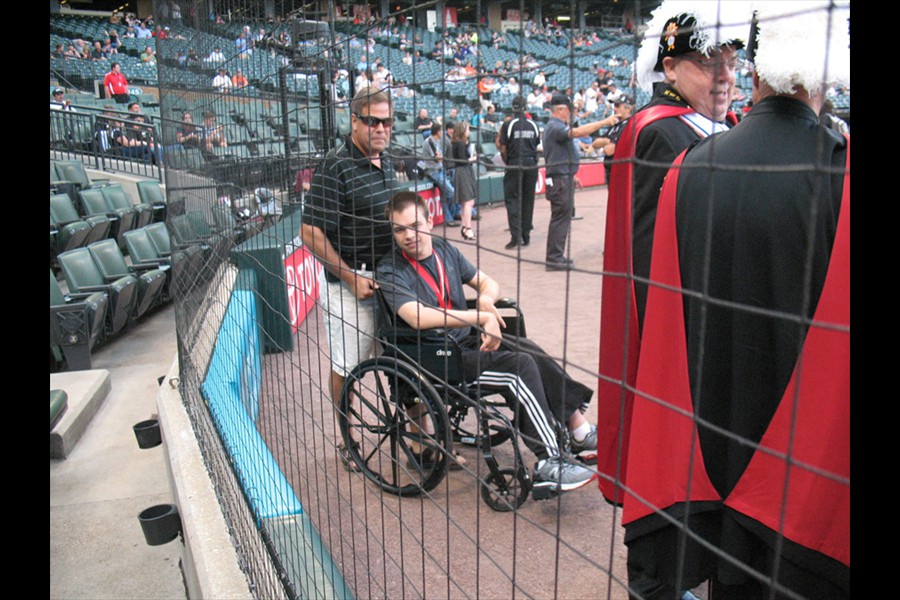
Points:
(344, 226)
(689, 58)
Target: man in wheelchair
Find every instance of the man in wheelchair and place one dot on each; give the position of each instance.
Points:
(422, 283)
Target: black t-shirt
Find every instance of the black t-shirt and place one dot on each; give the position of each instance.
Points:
(521, 137)
(400, 283)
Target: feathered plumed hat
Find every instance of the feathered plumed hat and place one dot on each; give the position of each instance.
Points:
(804, 42)
(678, 27)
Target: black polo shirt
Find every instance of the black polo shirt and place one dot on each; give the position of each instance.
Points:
(346, 200)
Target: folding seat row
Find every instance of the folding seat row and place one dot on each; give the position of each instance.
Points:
(133, 290)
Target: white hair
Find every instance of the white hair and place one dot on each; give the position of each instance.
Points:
(803, 43)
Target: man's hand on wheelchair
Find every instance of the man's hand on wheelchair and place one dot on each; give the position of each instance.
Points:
(490, 335)
(363, 287)
(486, 305)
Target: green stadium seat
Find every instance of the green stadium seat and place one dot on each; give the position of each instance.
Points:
(112, 265)
(117, 197)
(150, 192)
(95, 202)
(84, 276)
(76, 323)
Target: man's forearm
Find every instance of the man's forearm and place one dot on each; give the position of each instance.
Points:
(317, 242)
(589, 128)
(419, 316)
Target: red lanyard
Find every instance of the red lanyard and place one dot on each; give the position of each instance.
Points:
(442, 292)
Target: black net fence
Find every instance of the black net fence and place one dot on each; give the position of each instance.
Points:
(351, 487)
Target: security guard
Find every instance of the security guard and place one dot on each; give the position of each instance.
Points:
(518, 144)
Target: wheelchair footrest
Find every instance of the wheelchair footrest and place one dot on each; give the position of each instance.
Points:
(544, 492)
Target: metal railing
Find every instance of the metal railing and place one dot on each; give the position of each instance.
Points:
(107, 140)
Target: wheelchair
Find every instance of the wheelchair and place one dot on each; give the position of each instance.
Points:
(407, 407)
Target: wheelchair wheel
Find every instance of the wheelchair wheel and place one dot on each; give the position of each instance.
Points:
(507, 490)
(394, 426)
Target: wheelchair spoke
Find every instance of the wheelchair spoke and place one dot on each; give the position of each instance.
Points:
(390, 414)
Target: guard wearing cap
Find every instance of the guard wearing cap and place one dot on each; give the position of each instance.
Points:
(518, 144)
(561, 160)
(623, 108)
(746, 441)
(689, 58)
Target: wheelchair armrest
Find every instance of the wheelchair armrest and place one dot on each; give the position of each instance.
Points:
(409, 335)
(500, 303)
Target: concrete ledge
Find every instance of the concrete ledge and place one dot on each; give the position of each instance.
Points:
(87, 391)
(209, 561)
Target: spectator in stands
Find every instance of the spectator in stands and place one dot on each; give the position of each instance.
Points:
(216, 55)
(108, 48)
(187, 134)
(141, 31)
(58, 52)
(491, 118)
(539, 80)
(86, 53)
(192, 57)
(59, 101)
(364, 79)
(222, 81)
(115, 85)
(423, 123)
(242, 45)
(135, 140)
(238, 80)
(103, 140)
(148, 56)
(614, 94)
(134, 108)
(512, 86)
(212, 135)
(71, 53)
(477, 117)
(161, 33)
(97, 53)
(401, 90)
(536, 100)
(382, 77)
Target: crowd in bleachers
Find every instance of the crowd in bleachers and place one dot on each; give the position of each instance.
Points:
(234, 71)
(463, 67)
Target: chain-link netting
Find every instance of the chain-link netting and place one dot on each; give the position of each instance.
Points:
(351, 485)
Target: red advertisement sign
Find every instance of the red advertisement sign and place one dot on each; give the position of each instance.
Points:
(301, 273)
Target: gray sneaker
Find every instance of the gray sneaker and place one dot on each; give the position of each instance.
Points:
(586, 449)
(556, 474)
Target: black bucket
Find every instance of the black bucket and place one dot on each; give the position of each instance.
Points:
(161, 524)
(148, 434)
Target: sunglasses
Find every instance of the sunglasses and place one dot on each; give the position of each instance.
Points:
(375, 121)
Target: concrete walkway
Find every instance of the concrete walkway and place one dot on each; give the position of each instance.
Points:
(97, 547)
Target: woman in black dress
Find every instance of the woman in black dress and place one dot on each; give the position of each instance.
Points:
(464, 155)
